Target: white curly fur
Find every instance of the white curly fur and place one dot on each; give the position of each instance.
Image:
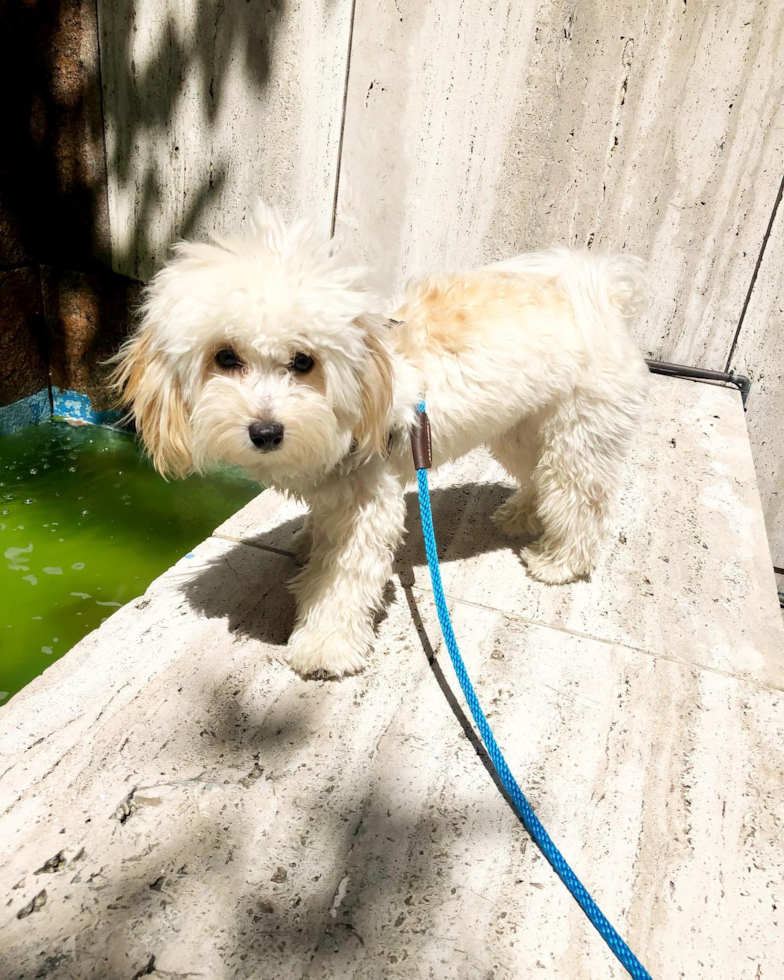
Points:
(531, 357)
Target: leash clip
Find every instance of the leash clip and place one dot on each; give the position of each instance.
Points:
(421, 445)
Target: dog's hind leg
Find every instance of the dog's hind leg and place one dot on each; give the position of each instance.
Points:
(516, 451)
(583, 444)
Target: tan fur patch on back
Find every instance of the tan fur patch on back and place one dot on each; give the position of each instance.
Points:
(456, 314)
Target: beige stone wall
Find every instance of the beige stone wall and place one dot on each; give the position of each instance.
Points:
(759, 353)
(472, 130)
(208, 104)
(655, 128)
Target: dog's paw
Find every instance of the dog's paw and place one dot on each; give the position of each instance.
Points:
(549, 569)
(319, 657)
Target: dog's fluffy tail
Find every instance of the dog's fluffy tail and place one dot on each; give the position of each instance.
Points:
(598, 286)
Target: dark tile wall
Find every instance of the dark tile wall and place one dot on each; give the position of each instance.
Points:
(62, 309)
(87, 317)
(23, 358)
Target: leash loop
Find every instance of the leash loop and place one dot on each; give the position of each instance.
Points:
(524, 809)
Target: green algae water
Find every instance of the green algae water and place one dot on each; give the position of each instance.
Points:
(85, 525)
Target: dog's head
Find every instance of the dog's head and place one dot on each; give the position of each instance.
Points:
(258, 351)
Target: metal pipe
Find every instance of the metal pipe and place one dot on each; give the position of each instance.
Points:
(741, 382)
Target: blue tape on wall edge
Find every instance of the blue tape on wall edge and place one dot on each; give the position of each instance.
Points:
(70, 406)
(74, 406)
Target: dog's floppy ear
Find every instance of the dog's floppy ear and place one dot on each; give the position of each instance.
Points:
(371, 433)
(151, 391)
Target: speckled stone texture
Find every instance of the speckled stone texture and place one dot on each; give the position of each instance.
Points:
(174, 801)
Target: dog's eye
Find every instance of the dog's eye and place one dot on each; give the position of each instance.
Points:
(302, 363)
(228, 359)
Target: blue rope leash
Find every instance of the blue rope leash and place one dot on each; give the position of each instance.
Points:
(523, 807)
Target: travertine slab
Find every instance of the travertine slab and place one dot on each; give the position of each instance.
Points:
(173, 800)
(659, 781)
(171, 743)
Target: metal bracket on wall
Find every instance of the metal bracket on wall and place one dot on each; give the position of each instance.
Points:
(741, 382)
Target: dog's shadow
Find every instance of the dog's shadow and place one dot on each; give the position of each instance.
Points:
(247, 585)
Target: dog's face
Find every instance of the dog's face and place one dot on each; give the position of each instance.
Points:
(258, 352)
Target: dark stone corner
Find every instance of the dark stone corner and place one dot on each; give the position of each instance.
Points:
(63, 310)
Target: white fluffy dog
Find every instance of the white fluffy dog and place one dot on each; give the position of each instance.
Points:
(269, 351)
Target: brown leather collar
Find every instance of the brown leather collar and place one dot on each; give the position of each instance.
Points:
(421, 443)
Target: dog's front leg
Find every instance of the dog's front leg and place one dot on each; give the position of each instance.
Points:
(357, 524)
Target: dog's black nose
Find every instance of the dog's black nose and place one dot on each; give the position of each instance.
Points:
(266, 436)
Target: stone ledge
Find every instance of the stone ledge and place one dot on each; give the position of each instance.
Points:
(172, 795)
